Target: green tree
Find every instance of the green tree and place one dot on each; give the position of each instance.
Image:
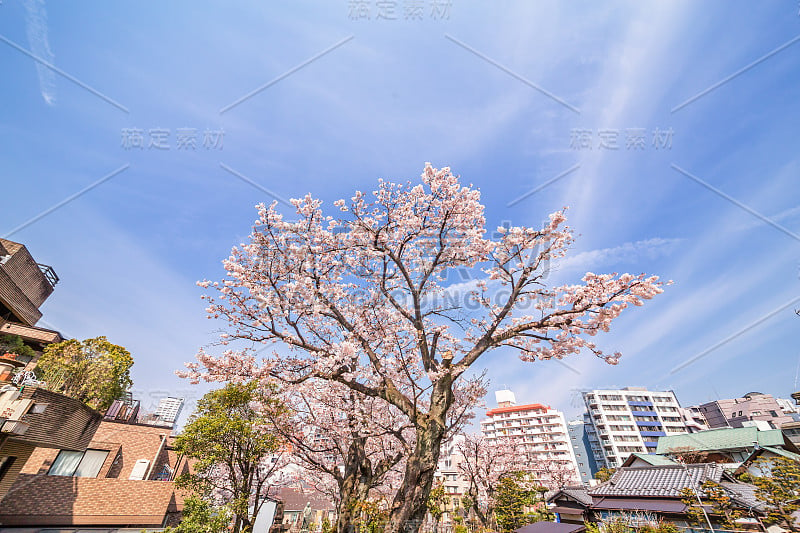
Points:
(437, 500)
(226, 437)
(94, 371)
(518, 502)
(200, 516)
(716, 501)
(604, 474)
(14, 344)
(371, 515)
(778, 487)
(327, 527)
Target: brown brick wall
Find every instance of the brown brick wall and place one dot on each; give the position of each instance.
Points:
(36, 500)
(126, 443)
(15, 300)
(110, 499)
(22, 452)
(66, 423)
(25, 273)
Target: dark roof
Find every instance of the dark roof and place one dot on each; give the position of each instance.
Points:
(550, 527)
(649, 504)
(296, 500)
(577, 493)
(744, 494)
(631, 488)
(658, 481)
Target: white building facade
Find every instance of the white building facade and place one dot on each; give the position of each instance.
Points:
(630, 420)
(541, 430)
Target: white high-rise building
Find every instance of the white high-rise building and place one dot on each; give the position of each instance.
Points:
(543, 433)
(168, 411)
(630, 420)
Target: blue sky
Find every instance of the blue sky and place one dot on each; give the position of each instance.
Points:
(510, 94)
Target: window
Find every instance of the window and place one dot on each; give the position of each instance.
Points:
(5, 465)
(78, 464)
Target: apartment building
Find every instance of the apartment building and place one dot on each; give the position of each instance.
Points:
(448, 473)
(24, 287)
(121, 477)
(749, 410)
(541, 431)
(629, 420)
(581, 447)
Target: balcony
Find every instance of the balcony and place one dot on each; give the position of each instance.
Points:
(49, 274)
(644, 413)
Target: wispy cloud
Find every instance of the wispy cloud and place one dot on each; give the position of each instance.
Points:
(36, 28)
(629, 252)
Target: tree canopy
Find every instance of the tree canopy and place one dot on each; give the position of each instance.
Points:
(363, 301)
(94, 371)
(228, 438)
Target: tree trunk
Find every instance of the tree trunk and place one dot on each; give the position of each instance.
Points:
(482, 518)
(354, 486)
(411, 501)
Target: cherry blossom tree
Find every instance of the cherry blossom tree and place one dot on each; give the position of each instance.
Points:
(344, 442)
(483, 464)
(360, 300)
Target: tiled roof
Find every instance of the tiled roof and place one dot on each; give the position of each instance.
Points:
(744, 494)
(578, 493)
(296, 500)
(668, 482)
(659, 481)
(720, 439)
(653, 459)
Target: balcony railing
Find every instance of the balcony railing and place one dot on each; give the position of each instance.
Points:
(49, 274)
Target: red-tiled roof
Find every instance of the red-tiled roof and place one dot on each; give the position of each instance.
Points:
(515, 408)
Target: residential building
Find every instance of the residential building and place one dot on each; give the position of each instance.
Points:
(24, 287)
(581, 447)
(694, 419)
(166, 414)
(551, 527)
(24, 284)
(541, 430)
(571, 504)
(650, 494)
(122, 476)
(448, 473)
(648, 459)
(33, 419)
(749, 410)
(723, 445)
(629, 420)
(789, 407)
